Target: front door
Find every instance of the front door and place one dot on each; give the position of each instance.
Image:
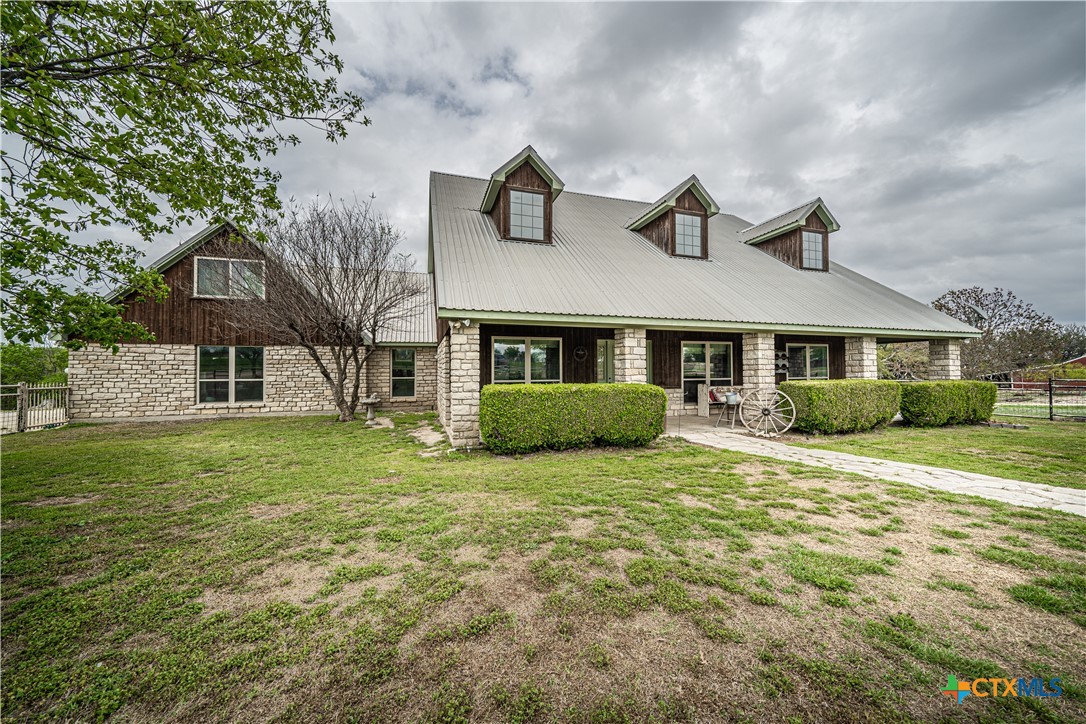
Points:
(605, 360)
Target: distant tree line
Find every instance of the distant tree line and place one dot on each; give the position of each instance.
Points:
(27, 363)
(1014, 336)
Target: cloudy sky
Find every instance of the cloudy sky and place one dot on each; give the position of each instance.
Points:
(948, 139)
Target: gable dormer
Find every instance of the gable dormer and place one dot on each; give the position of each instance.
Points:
(799, 237)
(678, 223)
(520, 198)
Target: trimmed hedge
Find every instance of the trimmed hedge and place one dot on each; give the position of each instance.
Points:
(836, 406)
(524, 418)
(947, 402)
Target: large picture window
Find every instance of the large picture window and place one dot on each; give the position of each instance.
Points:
(705, 363)
(812, 250)
(229, 374)
(229, 278)
(403, 372)
(529, 360)
(808, 362)
(525, 215)
(687, 235)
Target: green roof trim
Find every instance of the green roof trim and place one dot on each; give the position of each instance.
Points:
(667, 202)
(691, 324)
(530, 155)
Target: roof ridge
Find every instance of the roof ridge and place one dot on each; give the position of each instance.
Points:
(575, 193)
(784, 213)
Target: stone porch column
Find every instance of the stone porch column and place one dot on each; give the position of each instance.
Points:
(945, 359)
(631, 355)
(462, 414)
(758, 358)
(861, 358)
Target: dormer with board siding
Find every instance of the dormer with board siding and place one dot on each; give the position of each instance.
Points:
(520, 198)
(799, 237)
(678, 223)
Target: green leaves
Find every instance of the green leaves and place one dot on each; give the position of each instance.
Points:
(839, 406)
(146, 116)
(947, 402)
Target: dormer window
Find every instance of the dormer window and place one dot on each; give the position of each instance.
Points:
(812, 250)
(525, 215)
(688, 235)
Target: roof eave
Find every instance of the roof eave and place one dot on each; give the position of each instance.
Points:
(668, 202)
(498, 178)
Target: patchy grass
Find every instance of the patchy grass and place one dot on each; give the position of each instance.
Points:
(298, 569)
(1053, 453)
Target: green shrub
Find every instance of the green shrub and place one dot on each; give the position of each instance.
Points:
(947, 402)
(835, 406)
(523, 418)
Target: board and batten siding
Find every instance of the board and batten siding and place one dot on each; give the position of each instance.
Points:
(523, 178)
(788, 247)
(836, 349)
(573, 369)
(661, 230)
(667, 353)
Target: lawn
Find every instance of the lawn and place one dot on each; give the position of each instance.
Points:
(298, 569)
(1047, 452)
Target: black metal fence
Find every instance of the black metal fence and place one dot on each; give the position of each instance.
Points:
(1050, 399)
(32, 407)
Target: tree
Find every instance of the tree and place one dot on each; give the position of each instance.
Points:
(334, 283)
(903, 361)
(145, 115)
(24, 363)
(1015, 335)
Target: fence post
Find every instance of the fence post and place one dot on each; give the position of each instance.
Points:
(1050, 415)
(21, 400)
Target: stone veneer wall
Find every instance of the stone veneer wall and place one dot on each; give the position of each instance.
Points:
(631, 355)
(443, 380)
(759, 359)
(379, 380)
(861, 358)
(462, 423)
(945, 359)
(153, 380)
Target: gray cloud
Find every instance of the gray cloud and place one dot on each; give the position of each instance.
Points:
(949, 139)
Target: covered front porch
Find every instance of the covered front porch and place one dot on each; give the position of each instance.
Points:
(680, 361)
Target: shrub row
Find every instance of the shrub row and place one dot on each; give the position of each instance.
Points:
(837, 406)
(524, 418)
(947, 402)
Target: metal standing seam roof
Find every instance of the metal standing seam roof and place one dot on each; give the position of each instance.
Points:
(595, 267)
(790, 218)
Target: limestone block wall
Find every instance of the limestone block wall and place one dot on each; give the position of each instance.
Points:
(379, 380)
(758, 360)
(861, 358)
(631, 355)
(462, 423)
(157, 381)
(945, 359)
(443, 380)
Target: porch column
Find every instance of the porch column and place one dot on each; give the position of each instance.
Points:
(758, 360)
(861, 358)
(631, 355)
(945, 359)
(463, 403)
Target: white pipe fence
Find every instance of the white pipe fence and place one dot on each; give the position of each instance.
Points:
(27, 406)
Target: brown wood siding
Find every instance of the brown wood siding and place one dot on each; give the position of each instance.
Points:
(573, 370)
(667, 364)
(183, 319)
(660, 231)
(837, 352)
(788, 247)
(523, 178)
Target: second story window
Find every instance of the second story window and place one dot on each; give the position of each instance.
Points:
(812, 250)
(525, 215)
(687, 235)
(229, 278)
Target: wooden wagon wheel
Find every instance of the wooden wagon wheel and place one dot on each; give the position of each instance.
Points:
(767, 412)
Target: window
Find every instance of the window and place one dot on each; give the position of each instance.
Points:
(687, 235)
(812, 250)
(403, 373)
(525, 215)
(229, 278)
(229, 374)
(605, 360)
(808, 362)
(705, 363)
(527, 360)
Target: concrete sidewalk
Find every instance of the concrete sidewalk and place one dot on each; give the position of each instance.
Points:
(1014, 492)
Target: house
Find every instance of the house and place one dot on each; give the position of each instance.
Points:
(530, 283)
(203, 364)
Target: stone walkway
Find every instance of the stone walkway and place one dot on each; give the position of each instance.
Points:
(1015, 492)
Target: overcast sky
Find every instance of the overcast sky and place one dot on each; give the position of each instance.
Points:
(949, 140)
